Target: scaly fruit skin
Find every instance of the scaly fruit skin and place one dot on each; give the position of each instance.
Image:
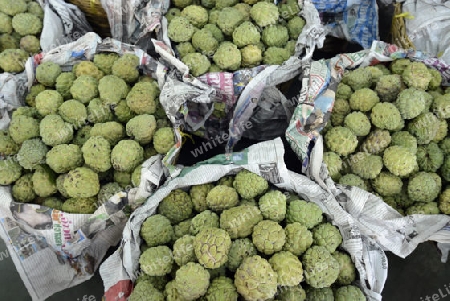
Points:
(442, 131)
(22, 128)
(171, 293)
(239, 250)
(268, 237)
(388, 87)
(97, 153)
(292, 293)
(416, 75)
(275, 55)
(197, 63)
(107, 191)
(198, 195)
(321, 269)
(249, 185)
(422, 187)
(255, 279)
(80, 205)
(141, 128)
(387, 184)
(251, 56)
(341, 140)
(349, 292)
(54, 130)
(22, 190)
(358, 123)
(63, 83)
(398, 66)
(227, 56)
(126, 155)
(320, 294)
(298, 239)
(246, 34)
(144, 290)
(424, 127)
(328, 236)
(84, 88)
(183, 250)
(53, 203)
(126, 67)
(273, 205)
(429, 157)
(306, 213)
(405, 139)
(411, 103)
(275, 35)
(44, 181)
(156, 261)
(81, 182)
(222, 289)
(358, 79)
(191, 281)
(182, 228)
(385, 115)
(159, 282)
(222, 197)
(112, 96)
(212, 246)
(176, 206)
(441, 106)
(105, 61)
(111, 131)
(334, 165)
(423, 208)
(343, 92)
(203, 220)
(353, 180)
(347, 273)
(156, 230)
(264, 13)
(376, 142)
(399, 161)
(444, 201)
(163, 139)
(10, 171)
(197, 15)
(32, 152)
(366, 165)
(64, 157)
(295, 26)
(13, 60)
(288, 268)
(48, 101)
(363, 100)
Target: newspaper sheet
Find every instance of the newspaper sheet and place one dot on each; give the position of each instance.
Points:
(266, 159)
(374, 217)
(51, 249)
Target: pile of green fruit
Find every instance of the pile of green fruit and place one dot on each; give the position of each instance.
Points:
(84, 134)
(216, 35)
(241, 239)
(21, 24)
(389, 135)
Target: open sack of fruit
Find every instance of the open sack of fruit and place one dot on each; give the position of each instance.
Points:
(81, 153)
(243, 228)
(378, 121)
(226, 59)
(27, 28)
